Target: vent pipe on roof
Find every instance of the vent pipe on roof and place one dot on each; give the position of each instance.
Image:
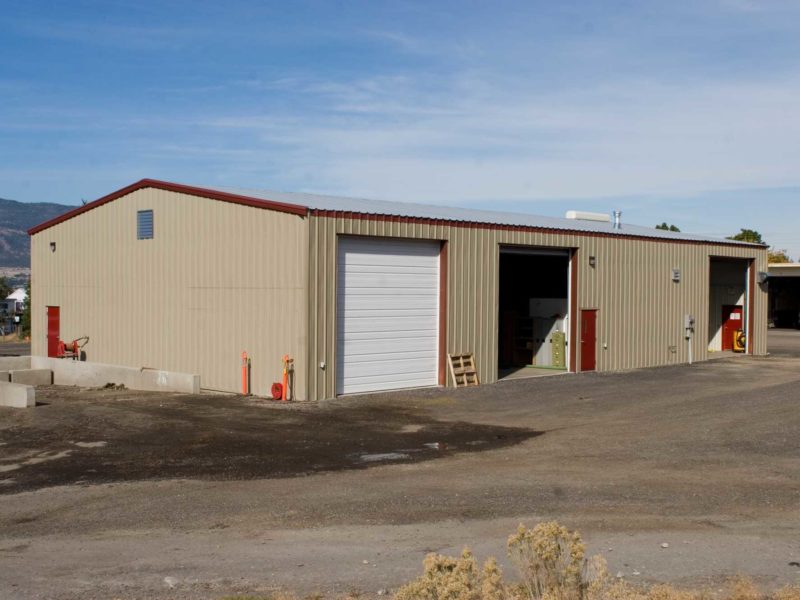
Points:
(617, 219)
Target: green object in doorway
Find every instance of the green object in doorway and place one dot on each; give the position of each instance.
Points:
(559, 350)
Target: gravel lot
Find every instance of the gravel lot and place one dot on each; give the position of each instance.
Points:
(106, 493)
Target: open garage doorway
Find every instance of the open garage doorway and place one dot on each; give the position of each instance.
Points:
(728, 304)
(533, 315)
(784, 296)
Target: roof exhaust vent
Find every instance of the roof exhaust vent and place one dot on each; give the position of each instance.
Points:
(617, 219)
(587, 216)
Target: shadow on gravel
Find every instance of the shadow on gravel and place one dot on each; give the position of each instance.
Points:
(153, 436)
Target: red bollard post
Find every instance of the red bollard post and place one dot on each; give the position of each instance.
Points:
(245, 387)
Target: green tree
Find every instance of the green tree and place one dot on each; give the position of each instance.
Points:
(5, 288)
(748, 235)
(25, 321)
(778, 256)
(666, 227)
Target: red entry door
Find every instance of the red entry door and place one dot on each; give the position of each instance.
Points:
(731, 322)
(53, 330)
(588, 340)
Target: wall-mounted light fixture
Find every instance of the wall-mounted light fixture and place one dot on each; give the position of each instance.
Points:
(592, 261)
(52, 246)
(676, 275)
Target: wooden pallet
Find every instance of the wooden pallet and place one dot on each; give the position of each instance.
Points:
(462, 368)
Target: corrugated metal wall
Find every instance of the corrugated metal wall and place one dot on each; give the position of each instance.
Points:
(640, 308)
(217, 278)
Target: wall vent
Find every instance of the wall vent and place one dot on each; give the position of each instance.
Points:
(144, 225)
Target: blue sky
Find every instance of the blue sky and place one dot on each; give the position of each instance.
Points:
(687, 112)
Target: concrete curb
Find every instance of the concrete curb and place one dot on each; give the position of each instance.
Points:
(17, 395)
(88, 374)
(32, 376)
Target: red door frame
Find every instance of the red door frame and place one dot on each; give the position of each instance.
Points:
(443, 314)
(588, 330)
(751, 304)
(53, 330)
(729, 325)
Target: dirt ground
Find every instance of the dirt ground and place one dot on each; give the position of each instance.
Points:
(119, 494)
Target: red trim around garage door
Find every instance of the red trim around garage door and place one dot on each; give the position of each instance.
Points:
(751, 289)
(443, 314)
(573, 313)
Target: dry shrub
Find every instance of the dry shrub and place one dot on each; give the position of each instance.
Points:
(284, 595)
(551, 563)
(493, 587)
(613, 589)
(668, 592)
(789, 592)
(448, 578)
(272, 596)
(550, 560)
(742, 588)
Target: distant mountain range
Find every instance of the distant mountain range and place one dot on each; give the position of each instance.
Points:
(15, 220)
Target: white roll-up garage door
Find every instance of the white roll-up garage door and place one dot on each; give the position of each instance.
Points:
(387, 314)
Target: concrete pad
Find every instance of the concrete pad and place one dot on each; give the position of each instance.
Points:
(17, 395)
(32, 376)
(11, 363)
(89, 374)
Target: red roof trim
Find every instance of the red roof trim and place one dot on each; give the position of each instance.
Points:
(300, 210)
(294, 209)
(336, 214)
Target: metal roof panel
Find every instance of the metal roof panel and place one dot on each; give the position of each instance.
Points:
(465, 215)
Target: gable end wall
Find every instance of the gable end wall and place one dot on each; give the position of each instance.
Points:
(217, 278)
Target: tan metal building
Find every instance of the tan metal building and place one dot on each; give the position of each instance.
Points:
(369, 296)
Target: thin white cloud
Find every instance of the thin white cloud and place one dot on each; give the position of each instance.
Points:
(430, 46)
(621, 139)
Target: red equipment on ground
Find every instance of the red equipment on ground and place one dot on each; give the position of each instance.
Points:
(287, 368)
(73, 349)
(283, 390)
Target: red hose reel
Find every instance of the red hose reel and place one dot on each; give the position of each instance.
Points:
(73, 349)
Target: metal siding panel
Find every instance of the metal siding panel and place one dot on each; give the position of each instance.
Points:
(216, 279)
(640, 309)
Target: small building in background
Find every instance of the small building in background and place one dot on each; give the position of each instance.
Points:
(11, 310)
(15, 302)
